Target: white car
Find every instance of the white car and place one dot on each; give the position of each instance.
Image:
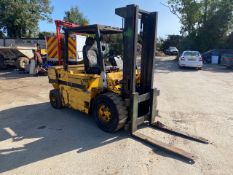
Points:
(191, 59)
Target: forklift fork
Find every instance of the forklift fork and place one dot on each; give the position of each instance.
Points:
(137, 121)
(160, 126)
(190, 157)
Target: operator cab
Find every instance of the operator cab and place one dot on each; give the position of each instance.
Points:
(98, 55)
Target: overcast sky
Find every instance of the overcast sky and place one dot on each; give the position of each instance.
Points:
(102, 12)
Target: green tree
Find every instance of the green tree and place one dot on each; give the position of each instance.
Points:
(20, 18)
(43, 34)
(229, 41)
(188, 11)
(75, 16)
(205, 23)
(115, 43)
(172, 40)
(215, 29)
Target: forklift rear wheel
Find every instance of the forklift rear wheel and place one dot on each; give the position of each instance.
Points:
(55, 99)
(110, 112)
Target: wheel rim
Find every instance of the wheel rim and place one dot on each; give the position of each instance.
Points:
(104, 113)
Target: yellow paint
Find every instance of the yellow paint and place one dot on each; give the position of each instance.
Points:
(104, 113)
(43, 52)
(75, 97)
(89, 85)
(113, 80)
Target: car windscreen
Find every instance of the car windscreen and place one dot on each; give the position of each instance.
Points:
(191, 54)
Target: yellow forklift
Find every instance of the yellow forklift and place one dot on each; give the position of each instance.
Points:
(115, 97)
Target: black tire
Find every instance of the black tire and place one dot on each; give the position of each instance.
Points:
(55, 99)
(117, 108)
(2, 64)
(22, 62)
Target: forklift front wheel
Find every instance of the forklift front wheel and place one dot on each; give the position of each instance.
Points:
(55, 99)
(110, 112)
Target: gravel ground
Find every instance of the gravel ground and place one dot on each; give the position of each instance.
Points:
(37, 139)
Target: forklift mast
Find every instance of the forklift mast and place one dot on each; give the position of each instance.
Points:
(132, 14)
(142, 98)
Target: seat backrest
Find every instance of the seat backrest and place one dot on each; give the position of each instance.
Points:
(90, 54)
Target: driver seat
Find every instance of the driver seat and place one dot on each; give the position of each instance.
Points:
(90, 57)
